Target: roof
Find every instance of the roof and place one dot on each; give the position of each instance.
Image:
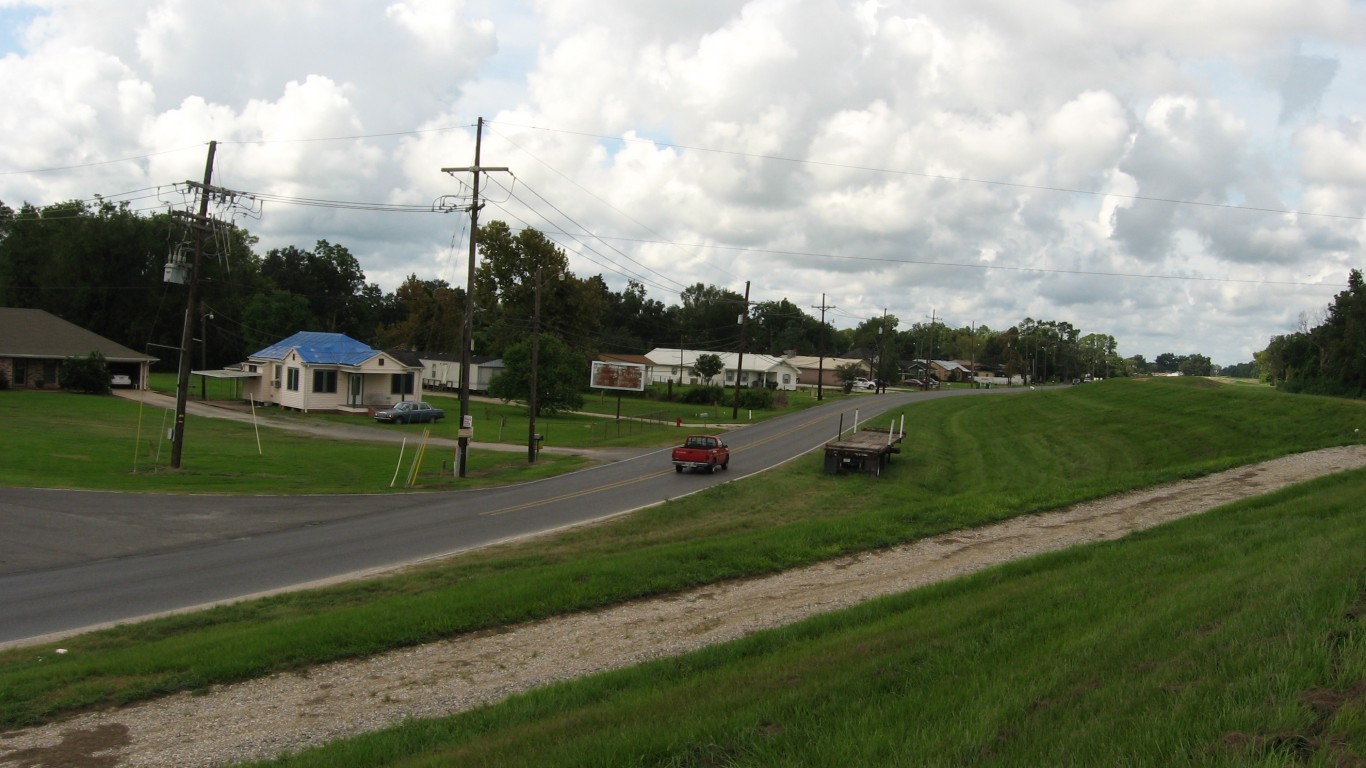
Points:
(617, 357)
(831, 362)
(319, 348)
(36, 333)
(665, 357)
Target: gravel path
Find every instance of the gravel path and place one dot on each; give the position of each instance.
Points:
(262, 718)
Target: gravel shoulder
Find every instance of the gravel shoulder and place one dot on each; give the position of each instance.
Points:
(260, 719)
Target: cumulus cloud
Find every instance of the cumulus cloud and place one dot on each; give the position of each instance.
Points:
(1061, 159)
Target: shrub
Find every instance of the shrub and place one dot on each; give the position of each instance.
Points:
(756, 398)
(706, 394)
(87, 374)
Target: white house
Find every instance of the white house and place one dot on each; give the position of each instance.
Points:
(313, 371)
(759, 370)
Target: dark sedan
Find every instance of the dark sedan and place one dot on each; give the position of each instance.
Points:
(410, 411)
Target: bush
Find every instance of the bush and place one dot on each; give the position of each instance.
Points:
(4, 380)
(87, 374)
(708, 394)
(756, 399)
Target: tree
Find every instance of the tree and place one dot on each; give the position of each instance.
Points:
(1196, 365)
(514, 266)
(707, 366)
(560, 376)
(709, 317)
(331, 282)
(430, 317)
(846, 373)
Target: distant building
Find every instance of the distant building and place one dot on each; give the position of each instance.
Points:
(33, 344)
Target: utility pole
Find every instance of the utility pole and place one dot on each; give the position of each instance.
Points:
(200, 222)
(467, 341)
(535, 363)
(881, 355)
(820, 370)
(926, 382)
(740, 363)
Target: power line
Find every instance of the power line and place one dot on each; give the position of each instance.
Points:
(945, 177)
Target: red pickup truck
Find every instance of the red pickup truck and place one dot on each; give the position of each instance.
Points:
(701, 452)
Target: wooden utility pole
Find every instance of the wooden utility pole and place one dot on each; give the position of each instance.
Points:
(535, 363)
(467, 341)
(820, 370)
(740, 363)
(200, 223)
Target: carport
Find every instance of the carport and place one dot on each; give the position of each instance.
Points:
(236, 374)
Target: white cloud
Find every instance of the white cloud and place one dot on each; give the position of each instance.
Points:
(824, 137)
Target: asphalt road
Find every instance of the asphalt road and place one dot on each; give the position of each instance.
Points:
(75, 560)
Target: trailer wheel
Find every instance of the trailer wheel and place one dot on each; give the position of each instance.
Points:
(678, 468)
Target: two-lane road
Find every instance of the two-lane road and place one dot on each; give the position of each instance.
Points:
(123, 556)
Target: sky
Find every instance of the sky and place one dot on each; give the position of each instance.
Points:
(1188, 177)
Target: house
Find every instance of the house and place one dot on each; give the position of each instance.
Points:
(313, 371)
(759, 370)
(812, 367)
(941, 370)
(33, 344)
(441, 370)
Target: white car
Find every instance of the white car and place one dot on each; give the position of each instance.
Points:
(864, 385)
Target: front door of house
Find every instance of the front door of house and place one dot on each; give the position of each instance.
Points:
(353, 390)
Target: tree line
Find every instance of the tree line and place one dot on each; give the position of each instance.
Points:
(1329, 358)
(101, 266)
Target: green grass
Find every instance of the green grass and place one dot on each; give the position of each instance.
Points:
(61, 440)
(644, 422)
(1231, 639)
(966, 461)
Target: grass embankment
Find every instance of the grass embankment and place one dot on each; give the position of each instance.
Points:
(1236, 638)
(61, 440)
(967, 461)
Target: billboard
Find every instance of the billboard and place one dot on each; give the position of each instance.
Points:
(618, 376)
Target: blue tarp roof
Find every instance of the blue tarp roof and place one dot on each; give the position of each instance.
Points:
(320, 348)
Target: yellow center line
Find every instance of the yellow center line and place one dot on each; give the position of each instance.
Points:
(576, 494)
(632, 481)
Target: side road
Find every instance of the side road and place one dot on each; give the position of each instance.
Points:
(359, 431)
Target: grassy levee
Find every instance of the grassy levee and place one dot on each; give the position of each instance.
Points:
(967, 461)
(1235, 638)
(60, 440)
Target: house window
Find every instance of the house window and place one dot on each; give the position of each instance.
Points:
(787, 378)
(324, 381)
(276, 381)
(20, 373)
(401, 384)
(293, 385)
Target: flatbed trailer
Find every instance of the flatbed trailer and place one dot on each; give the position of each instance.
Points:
(868, 450)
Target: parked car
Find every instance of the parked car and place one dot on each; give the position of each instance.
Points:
(120, 380)
(864, 385)
(410, 411)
